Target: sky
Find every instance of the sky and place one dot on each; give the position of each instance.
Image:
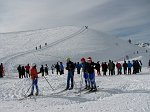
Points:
(121, 18)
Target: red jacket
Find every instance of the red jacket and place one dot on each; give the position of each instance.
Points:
(33, 73)
(27, 68)
(118, 65)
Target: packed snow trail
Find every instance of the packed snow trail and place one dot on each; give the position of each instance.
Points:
(7, 60)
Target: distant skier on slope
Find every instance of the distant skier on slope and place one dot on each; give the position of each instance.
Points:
(97, 67)
(57, 68)
(1, 70)
(70, 67)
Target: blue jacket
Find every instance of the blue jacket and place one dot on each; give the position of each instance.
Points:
(130, 65)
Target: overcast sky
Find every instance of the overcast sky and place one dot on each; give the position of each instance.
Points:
(122, 18)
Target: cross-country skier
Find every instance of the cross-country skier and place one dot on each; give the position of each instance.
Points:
(34, 78)
(85, 74)
(70, 67)
(90, 70)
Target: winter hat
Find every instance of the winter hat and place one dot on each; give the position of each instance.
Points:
(89, 59)
(82, 59)
(67, 59)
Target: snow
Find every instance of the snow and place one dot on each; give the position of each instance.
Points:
(125, 93)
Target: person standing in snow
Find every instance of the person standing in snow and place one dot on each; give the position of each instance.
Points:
(23, 72)
(52, 68)
(140, 65)
(149, 64)
(97, 67)
(119, 68)
(129, 67)
(125, 66)
(104, 68)
(19, 71)
(46, 69)
(42, 70)
(110, 67)
(70, 67)
(61, 68)
(34, 78)
(57, 68)
(78, 66)
(27, 68)
(1, 70)
(90, 71)
(85, 74)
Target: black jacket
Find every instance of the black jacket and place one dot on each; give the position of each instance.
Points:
(90, 67)
(70, 66)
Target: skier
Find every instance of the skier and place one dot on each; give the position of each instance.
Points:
(27, 68)
(125, 65)
(34, 78)
(113, 70)
(19, 71)
(129, 67)
(61, 68)
(78, 66)
(119, 68)
(57, 68)
(36, 48)
(23, 72)
(85, 74)
(45, 44)
(90, 70)
(42, 70)
(97, 67)
(46, 69)
(70, 67)
(40, 46)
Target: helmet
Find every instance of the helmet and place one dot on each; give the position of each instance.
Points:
(82, 59)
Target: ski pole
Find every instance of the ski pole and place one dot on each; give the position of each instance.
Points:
(49, 83)
(28, 90)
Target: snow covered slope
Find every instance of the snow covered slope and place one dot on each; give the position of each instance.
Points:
(63, 42)
(117, 93)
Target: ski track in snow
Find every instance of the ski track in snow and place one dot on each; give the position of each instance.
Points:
(123, 92)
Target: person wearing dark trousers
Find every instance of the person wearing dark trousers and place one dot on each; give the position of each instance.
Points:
(97, 67)
(19, 71)
(46, 69)
(70, 78)
(129, 67)
(90, 71)
(104, 68)
(57, 68)
(42, 70)
(61, 68)
(125, 66)
(27, 68)
(23, 72)
(78, 66)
